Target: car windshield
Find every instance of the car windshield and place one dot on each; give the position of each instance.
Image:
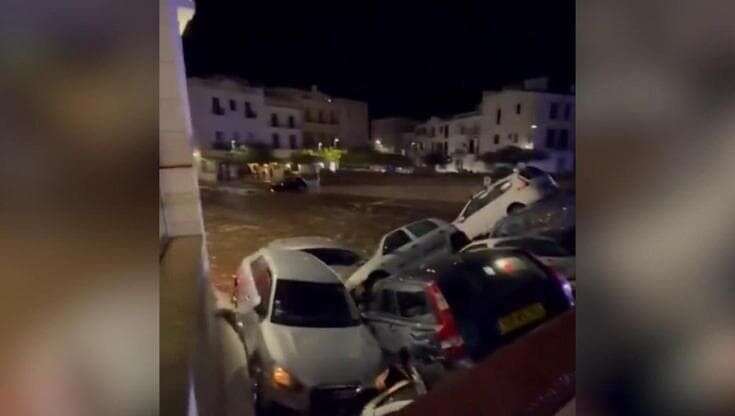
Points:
(485, 197)
(334, 256)
(539, 247)
(310, 304)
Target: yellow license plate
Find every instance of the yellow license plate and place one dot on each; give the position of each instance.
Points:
(521, 318)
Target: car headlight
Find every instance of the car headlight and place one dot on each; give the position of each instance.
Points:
(380, 380)
(284, 380)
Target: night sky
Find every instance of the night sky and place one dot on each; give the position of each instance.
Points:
(409, 58)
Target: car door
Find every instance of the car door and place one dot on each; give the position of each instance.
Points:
(485, 209)
(381, 317)
(398, 249)
(431, 241)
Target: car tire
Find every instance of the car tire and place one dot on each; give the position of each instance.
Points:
(458, 240)
(515, 207)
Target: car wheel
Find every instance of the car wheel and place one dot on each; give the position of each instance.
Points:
(458, 240)
(515, 207)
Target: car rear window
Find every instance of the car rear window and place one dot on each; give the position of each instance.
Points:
(543, 248)
(334, 256)
(531, 172)
(414, 305)
(311, 304)
(421, 228)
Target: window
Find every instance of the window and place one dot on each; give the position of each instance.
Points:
(567, 111)
(292, 141)
(233, 105)
(249, 113)
(308, 141)
(498, 115)
(395, 240)
(531, 172)
(446, 148)
(483, 198)
(291, 122)
(274, 120)
(321, 116)
(413, 305)
(308, 116)
(251, 135)
(276, 141)
(313, 305)
(496, 139)
(421, 228)
(553, 111)
(563, 139)
(263, 279)
(236, 136)
(333, 117)
(334, 256)
(217, 107)
(551, 138)
(472, 146)
(219, 136)
(388, 302)
(518, 108)
(446, 131)
(515, 137)
(433, 132)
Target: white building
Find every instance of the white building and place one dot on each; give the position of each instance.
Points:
(226, 113)
(527, 116)
(331, 121)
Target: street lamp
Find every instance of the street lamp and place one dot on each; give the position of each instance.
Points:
(533, 126)
(336, 141)
(320, 145)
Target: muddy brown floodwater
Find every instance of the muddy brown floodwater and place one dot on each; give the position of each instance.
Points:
(237, 225)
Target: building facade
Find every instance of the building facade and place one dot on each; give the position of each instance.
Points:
(526, 116)
(393, 134)
(327, 121)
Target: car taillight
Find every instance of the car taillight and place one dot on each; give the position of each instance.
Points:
(448, 336)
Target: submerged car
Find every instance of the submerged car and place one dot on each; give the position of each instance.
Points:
(340, 257)
(543, 248)
(290, 184)
(466, 306)
(503, 197)
(306, 344)
(405, 248)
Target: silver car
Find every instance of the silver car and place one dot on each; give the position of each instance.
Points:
(343, 259)
(306, 344)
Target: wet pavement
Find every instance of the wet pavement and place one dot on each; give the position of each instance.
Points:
(238, 224)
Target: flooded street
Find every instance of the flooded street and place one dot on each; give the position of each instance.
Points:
(237, 225)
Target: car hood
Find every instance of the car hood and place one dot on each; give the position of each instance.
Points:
(344, 272)
(325, 355)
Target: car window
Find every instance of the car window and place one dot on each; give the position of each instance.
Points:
(539, 247)
(509, 226)
(531, 172)
(421, 228)
(413, 305)
(388, 302)
(482, 199)
(263, 279)
(311, 304)
(395, 240)
(334, 256)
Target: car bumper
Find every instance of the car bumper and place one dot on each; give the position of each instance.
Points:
(324, 398)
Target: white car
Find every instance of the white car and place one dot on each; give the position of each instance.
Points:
(305, 342)
(407, 247)
(523, 187)
(340, 257)
(543, 248)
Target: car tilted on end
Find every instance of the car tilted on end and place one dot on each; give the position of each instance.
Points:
(307, 346)
(505, 196)
(465, 306)
(405, 248)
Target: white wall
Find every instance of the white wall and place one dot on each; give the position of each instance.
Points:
(232, 123)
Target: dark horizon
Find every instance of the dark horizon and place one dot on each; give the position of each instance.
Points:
(404, 58)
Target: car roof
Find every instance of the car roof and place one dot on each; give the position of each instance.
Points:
(431, 272)
(297, 265)
(307, 242)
